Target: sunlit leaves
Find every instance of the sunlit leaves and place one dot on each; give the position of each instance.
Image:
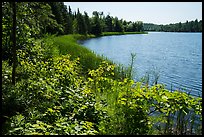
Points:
(59, 100)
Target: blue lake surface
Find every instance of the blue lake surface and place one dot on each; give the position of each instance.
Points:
(176, 57)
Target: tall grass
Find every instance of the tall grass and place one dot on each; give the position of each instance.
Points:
(175, 123)
(68, 44)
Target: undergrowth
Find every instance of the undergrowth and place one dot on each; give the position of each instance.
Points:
(53, 96)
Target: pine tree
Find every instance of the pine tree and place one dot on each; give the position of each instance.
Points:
(118, 26)
(87, 23)
(81, 23)
(108, 24)
(96, 28)
(195, 26)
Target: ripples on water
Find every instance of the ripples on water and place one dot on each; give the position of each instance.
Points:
(177, 57)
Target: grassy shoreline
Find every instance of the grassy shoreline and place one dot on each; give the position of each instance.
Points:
(68, 44)
(121, 33)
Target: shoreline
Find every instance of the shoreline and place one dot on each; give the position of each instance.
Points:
(122, 33)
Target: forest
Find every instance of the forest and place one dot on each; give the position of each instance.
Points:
(188, 26)
(51, 85)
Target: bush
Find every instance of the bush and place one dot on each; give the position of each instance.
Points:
(51, 96)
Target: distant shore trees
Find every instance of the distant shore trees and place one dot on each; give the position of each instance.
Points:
(188, 26)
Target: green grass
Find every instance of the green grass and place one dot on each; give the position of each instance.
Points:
(67, 44)
(121, 33)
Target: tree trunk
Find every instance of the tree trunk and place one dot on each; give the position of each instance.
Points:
(14, 43)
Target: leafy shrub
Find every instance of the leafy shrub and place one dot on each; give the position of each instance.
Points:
(53, 97)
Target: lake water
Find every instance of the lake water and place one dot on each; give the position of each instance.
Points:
(176, 57)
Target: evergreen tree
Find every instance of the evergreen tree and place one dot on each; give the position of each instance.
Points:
(180, 27)
(63, 16)
(134, 26)
(70, 13)
(200, 26)
(81, 23)
(57, 11)
(75, 26)
(96, 28)
(102, 21)
(139, 26)
(118, 26)
(67, 21)
(125, 25)
(87, 23)
(108, 24)
(195, 26)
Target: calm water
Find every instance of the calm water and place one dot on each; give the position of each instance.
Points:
(176, 57)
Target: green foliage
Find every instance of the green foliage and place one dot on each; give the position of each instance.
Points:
(108, 23)
(63, 88)
(33, 21)
(50, 94)
(68, 45)
(62, 21)
(96, 24)
(124, 114)
(81, 26)
(128, 105)
(118, 26)
(57, 99)
(87, 23)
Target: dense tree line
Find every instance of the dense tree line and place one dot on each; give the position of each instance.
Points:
(188, 26)
(76, 22)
